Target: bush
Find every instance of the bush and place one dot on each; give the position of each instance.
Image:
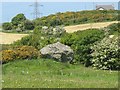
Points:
(80, 42)
(42, 37)
(7, 26)
(105, 55)
(8, 55)
(18, 19)
(22, 52)
(114, 28)
(28, 25)
(26, 52)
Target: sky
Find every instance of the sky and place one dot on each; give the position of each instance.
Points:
(11, 9)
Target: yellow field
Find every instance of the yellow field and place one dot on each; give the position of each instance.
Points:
(73, 28)
(8, 38)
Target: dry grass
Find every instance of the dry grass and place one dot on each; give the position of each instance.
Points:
(8, 38)
(73, 28)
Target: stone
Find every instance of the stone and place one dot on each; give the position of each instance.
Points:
(57, 51)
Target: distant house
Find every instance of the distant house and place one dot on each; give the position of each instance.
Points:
(105, 7)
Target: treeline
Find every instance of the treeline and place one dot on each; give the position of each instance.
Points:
(21, 23)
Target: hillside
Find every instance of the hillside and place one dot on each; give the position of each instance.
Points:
(75, 18)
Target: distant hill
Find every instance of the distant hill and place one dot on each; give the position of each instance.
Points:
(80, 17)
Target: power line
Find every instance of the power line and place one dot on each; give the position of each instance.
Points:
(36, 12)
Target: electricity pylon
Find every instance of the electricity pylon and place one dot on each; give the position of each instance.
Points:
(36, 12)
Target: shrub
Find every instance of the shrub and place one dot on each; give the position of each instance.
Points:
(7, 26)
(42, 37)
(114, 28)
(26, 52)
(8, 55)
(22, 52)
(28, 25)
(105, 55)
(80, 42)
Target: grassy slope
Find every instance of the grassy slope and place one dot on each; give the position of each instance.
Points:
(50, 74)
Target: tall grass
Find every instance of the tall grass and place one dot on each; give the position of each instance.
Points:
(44, 73)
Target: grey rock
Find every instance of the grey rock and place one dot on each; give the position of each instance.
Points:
(58, 51)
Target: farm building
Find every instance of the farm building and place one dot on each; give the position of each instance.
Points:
(105, 7)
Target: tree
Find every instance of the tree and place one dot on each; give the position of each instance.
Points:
(7, 26)
(18, 19)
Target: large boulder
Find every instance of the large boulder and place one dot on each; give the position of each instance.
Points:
(57, 51)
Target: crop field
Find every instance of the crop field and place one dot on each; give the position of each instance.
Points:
(74, 28)
(8, 38)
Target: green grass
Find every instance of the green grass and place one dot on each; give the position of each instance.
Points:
(44, 73)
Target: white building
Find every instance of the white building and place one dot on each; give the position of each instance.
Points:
(105, 7)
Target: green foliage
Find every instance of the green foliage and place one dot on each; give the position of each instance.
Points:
(80, 42)
(20, 22)
(105, 55)
(22, 52)
(42, 37)
(7, 26)
(18, 19)
(114, 28)
(72, 18)
(20, 27)
(28, 25)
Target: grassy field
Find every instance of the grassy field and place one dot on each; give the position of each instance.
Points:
(43, 73)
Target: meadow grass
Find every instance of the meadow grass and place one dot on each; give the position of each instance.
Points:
(44, 73)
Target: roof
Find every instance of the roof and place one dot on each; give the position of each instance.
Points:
(106, 7)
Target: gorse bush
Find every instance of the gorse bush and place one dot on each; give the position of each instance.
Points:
(80, 17)
(105, 55)
(26, 52)
(8, 55)
(80, 42)
(22, 52)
